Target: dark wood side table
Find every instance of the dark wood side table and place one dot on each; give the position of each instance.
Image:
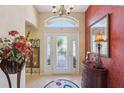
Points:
(94, 78)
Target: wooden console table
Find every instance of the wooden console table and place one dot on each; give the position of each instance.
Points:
(93, 78)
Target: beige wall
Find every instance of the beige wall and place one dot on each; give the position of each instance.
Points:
(40, 34)
(13, 18)
(32, 15)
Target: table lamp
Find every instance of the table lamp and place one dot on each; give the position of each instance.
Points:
(99, 38)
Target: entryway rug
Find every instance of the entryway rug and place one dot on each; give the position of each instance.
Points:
(61, 83)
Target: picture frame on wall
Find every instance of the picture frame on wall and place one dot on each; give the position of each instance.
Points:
(100, 26)
(35, 42)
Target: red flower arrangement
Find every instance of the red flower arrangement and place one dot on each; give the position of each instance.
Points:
(16, 48)
(13, 33)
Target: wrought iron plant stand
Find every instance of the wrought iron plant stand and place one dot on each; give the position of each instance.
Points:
(9, 67)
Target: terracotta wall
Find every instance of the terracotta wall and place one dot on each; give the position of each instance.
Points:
(115, 64)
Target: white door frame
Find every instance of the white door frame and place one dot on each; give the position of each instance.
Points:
(50, 68)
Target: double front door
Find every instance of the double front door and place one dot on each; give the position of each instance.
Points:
(61, 53)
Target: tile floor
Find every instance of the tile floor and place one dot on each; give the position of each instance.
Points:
(39, 81)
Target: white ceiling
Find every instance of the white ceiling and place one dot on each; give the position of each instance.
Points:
(48, 8)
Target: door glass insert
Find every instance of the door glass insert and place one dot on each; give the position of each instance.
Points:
(61, 52)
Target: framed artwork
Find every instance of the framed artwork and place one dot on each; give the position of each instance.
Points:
(35, 42)
(34, 63)
(100, 26)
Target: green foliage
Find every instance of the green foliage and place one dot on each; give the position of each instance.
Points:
(59, 42)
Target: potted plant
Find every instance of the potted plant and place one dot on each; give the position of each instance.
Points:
(15, 50)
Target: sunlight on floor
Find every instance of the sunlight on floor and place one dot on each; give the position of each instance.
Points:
(39, 81)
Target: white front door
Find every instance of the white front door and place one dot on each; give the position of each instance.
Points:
(61, 52)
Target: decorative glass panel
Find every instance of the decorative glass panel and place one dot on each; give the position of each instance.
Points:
(48, 50)
(61, 52)
(74, 54)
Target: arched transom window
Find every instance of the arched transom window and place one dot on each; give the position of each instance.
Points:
(61, 22)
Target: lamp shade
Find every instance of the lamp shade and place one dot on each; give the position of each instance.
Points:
(99, 38)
